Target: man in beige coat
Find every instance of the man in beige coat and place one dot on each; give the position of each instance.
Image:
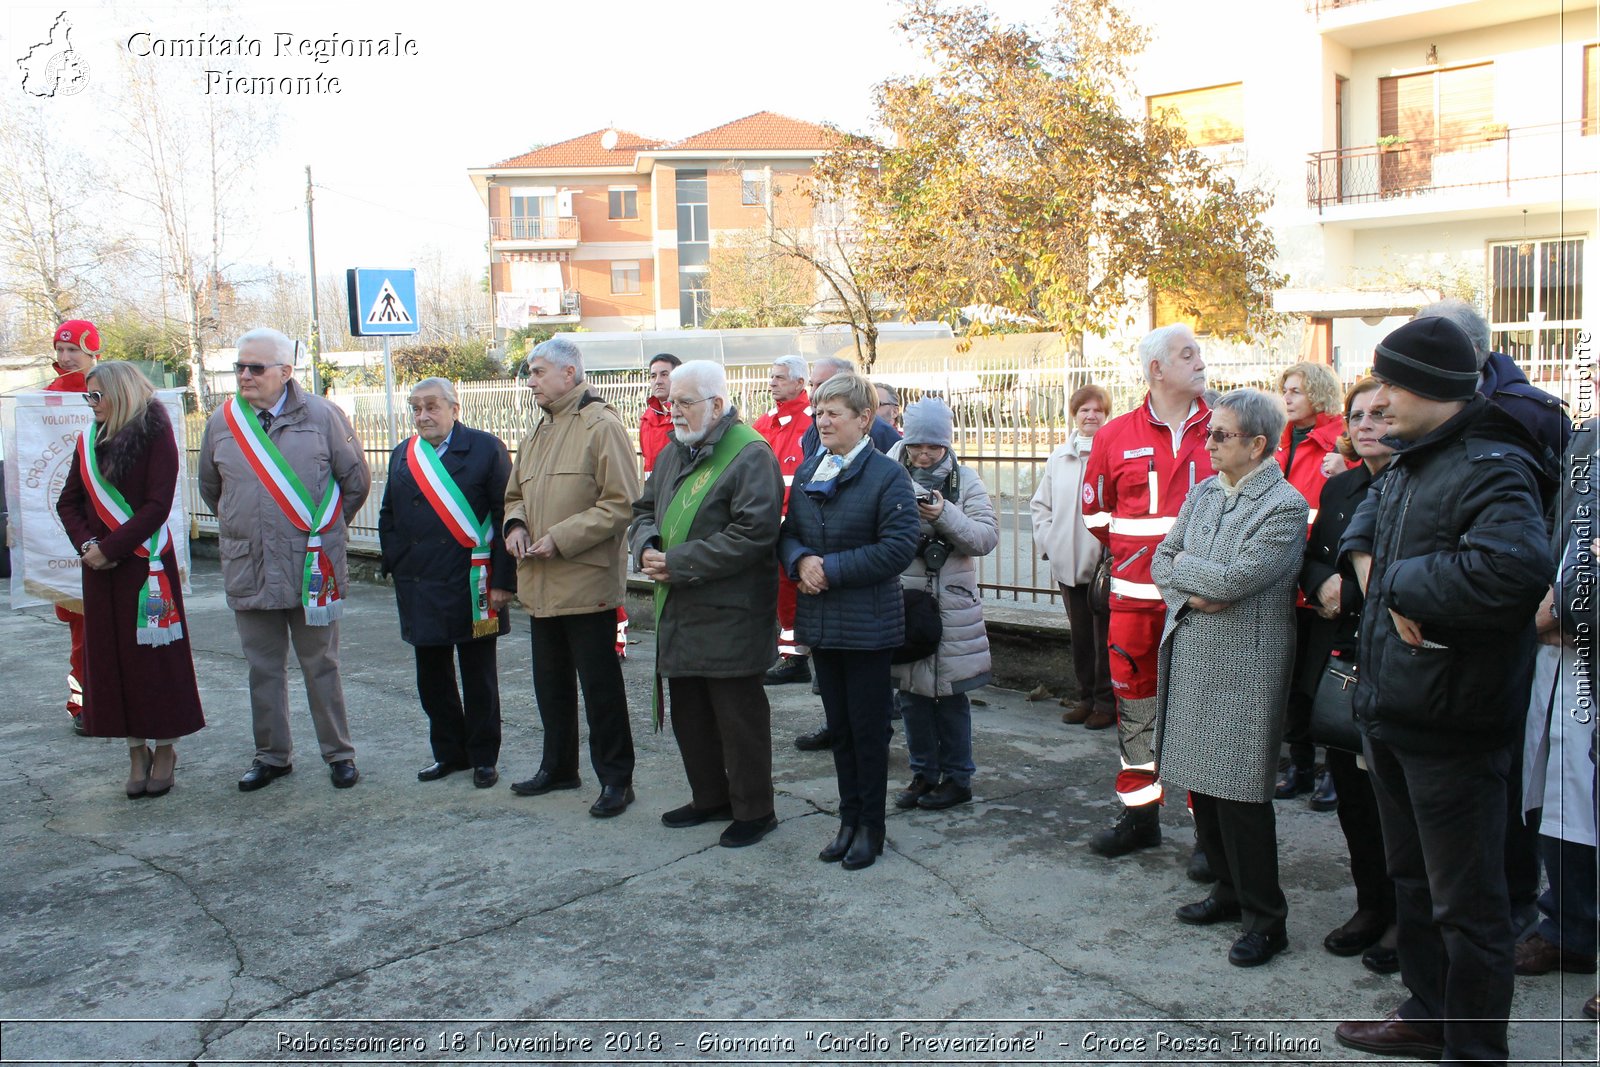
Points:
(265, 549)
(567, 507)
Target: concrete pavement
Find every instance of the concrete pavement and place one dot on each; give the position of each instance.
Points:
(408, 922)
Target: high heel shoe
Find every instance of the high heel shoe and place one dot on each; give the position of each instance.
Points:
(865, 849)
(160, 787)
(139, 772)
(840, 844)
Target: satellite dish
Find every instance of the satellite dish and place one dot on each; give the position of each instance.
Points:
(608, 140)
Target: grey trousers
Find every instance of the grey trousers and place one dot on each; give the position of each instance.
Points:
(265, 637)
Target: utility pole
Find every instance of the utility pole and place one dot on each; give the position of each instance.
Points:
(316, 327)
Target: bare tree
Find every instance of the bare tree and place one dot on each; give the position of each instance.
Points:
(828, 243)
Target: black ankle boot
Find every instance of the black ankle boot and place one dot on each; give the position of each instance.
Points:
(840, 844)
(864, 849)
(1136, 828)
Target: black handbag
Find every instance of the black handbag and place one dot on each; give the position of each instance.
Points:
(1333, 721)
(924, 628)
(1100, 585)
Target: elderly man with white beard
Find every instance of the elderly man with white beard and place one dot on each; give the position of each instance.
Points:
(706, 531)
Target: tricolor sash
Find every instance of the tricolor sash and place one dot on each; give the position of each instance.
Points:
(448, 502)
(680, 515)
(319, 587)
(156, 619)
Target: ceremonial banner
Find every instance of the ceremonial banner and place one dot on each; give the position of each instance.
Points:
(41, 433)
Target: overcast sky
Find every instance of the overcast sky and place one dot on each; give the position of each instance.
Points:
(389, 152)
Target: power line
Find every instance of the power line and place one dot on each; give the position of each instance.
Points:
(400, 211)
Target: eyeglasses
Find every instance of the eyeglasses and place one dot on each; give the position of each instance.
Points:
(1375, 415)
(1221, 436)
(255, 370)
(689, 403)
(93, 397)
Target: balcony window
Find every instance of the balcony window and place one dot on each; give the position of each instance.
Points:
(623, 203)
(1210, 116)
(625, 276)
(1536, 302)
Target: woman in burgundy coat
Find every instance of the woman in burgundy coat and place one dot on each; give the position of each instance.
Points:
(140, 677)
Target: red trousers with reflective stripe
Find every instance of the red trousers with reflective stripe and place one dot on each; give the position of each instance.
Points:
(1134, 637)
(788, 594)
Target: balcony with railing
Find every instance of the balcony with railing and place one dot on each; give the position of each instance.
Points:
(1366, 23)
(534, 231)
(1492, 168)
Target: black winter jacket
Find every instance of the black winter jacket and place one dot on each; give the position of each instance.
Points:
(1341, 496)
(866, 533)
(1457, 537)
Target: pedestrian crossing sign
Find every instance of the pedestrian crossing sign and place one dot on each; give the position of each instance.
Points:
(382, 302)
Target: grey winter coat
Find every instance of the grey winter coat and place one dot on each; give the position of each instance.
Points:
(263, 555)
(718, 620)
(1223, 677)
(962, 662)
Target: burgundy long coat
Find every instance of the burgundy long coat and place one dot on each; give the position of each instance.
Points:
(131, 690)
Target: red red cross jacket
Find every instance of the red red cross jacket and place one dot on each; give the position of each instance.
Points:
(783, 427)
(655, 429)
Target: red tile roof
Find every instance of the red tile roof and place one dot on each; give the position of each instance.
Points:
(585, 151)
(765, 130)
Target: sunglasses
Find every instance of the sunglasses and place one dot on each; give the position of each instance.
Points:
(255, 370)
(1221, 436)
(93, 397)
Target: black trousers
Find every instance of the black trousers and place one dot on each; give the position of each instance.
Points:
(464, 725)
(1297, 719)
(1244, 836)
(857, 698)
(1444, 822)
(1091, 648)
(1363, 833)
(574, 650)
(724, 732)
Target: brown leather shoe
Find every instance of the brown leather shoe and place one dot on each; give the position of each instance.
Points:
(1078, 713)
(1538, 956)
(1099, 721)
(1393, 1036)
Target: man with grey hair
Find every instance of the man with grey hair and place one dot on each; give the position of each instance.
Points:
(439, 530)
(567, 507)
(783, 427)
(1142, 467)
(705, 530)
(283, 473)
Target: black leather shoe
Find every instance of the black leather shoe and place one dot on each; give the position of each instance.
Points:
(835, 849)
(1257, 947)
(1383, 958)
(1357, 935)
(484, 777)
(1293, 781)
(788, 670)
(1207, 911)
(864, 850)
(435, 771)
(613, 800)
(1199, 869)
(742, 832)
(947, 794)
(907, 798)
(344, 773)
(819, 741)
(1324, 797)
(1135, 828)
(543, 783)
(689, 815)
(261, 774)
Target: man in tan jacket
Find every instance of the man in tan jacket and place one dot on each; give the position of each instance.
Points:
(261, 449)
(568, 505)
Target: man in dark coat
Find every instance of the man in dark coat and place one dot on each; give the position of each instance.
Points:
(705, 529)
(1451, 549)
(450, 608)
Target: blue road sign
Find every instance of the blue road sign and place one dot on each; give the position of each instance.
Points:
(382, 302)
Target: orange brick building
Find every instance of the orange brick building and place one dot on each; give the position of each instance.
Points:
(614, 230)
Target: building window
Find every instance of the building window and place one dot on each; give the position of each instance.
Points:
(694, 246)
(694, 299)
(1209, 116)
(623, 203)
(625, 276)
(1536, 303)
(533, 215)
(1591, 89)
(753, 187)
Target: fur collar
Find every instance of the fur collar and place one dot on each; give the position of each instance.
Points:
(118, 454)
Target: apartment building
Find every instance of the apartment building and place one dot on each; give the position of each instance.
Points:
(614, 230)
(1413, 146)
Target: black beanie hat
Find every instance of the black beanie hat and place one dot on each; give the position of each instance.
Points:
(1431, 357)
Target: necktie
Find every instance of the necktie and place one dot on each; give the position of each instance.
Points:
(266, 420)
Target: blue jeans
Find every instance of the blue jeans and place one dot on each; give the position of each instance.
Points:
(939, 736)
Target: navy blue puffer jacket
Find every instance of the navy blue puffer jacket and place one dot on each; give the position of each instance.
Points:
(866, 533)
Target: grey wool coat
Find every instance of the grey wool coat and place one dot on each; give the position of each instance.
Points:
(962, 662)
(1224, 677)
(718, 620)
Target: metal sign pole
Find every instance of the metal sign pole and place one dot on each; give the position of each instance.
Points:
(388, 391)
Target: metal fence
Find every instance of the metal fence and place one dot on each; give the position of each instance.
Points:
(1009, 416)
